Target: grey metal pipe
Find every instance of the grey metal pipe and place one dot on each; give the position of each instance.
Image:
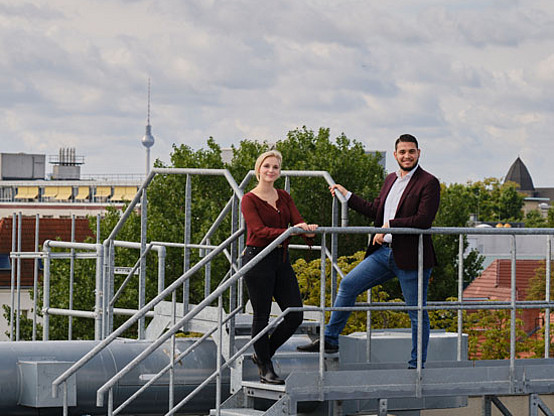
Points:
(322, 316)
(419, 364)
(460, 295)
(153, 303)
(18, 284)
(186, 241)
(547, 298)
(12, 282)
(35, 279)
(142, 275)
(189, 372)
(191, 314)
(98, 295)
(513, 315)
(71, 279)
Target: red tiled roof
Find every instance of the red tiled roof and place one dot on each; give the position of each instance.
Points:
(49, 229)
(495, 281)
(495, 284)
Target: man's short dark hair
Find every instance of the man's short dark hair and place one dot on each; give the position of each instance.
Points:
(406, 138)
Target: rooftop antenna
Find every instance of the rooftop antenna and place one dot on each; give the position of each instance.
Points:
(148, 139)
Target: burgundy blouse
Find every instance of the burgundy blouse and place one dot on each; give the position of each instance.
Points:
(265, 223)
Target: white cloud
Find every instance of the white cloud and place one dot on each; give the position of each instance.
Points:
(472, 79)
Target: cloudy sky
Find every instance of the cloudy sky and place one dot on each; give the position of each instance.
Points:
(473, 80)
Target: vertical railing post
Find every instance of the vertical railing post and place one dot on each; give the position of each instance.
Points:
(12, 283)
(419, 315)
(142, 279)
(368, 328)
(547, 297)
(233, 289)
(334, 250)
(240, 300)
(98, 236)
(219, 352)
(18, 286)
(98, 293)
(64, 400)
(35, 277)
(71, 280)
(173, 350)
(186, 249)
(46, 294)
(513, 313)
(322, 317)
(207, 274)
(161, 268)
(107, 284)
(460, 296)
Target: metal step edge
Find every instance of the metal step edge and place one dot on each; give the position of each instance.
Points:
(237, 412)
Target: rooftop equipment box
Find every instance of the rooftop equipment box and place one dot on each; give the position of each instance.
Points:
(16, 166)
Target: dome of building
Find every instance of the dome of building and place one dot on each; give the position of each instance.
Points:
(519, 174)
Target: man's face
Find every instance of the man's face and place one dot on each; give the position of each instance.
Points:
(407, 155)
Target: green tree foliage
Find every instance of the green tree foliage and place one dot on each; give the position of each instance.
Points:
(302, 149)
(454, 211)
(489, 335)
(493, 200)
(309, 280)
(537, 284)
(534, 219)
(344, 159)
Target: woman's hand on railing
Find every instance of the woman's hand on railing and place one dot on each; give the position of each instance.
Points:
(306, 227)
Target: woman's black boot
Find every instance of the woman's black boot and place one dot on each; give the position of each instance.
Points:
(266, 371)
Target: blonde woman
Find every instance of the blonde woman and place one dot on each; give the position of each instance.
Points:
(268, 213)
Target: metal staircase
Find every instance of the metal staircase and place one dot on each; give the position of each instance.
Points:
(367, 376)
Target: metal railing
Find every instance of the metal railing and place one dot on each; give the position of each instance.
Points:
(104, 306)
(513, 305)
(107, 285)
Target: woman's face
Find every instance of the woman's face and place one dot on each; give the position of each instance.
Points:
(270, 169)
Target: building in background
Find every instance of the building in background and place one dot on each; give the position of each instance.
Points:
(25, 187)
(536, 198)
(62, 200)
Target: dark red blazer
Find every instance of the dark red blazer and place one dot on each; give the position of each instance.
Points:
(417, 209)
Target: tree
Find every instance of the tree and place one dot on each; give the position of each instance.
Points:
(302, 149)
(534, 219)
(454, 211)
(493, 200)
(344, 159)
(489, 335)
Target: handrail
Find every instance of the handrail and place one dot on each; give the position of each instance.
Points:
(182, 355)
(209, 299)
(141, 312)
(219, 291)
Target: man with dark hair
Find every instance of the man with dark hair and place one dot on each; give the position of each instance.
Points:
(409, 198)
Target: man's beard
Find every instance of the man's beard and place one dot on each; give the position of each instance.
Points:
(408, 169)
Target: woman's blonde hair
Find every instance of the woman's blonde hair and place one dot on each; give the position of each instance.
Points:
(275, 153)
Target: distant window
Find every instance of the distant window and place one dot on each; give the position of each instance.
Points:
(5, 262)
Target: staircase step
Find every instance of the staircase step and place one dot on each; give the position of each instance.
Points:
(237, 412)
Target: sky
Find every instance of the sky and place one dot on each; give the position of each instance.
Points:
(472, 80)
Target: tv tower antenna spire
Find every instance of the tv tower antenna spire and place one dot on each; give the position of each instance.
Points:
(148, 139)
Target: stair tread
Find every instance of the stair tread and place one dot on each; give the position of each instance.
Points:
(264, 386)
(238, 412)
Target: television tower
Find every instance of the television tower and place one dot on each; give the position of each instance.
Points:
(148, 139)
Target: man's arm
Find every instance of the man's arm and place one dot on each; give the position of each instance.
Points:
(355, 202)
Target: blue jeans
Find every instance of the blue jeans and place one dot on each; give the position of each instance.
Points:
(374, 270)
